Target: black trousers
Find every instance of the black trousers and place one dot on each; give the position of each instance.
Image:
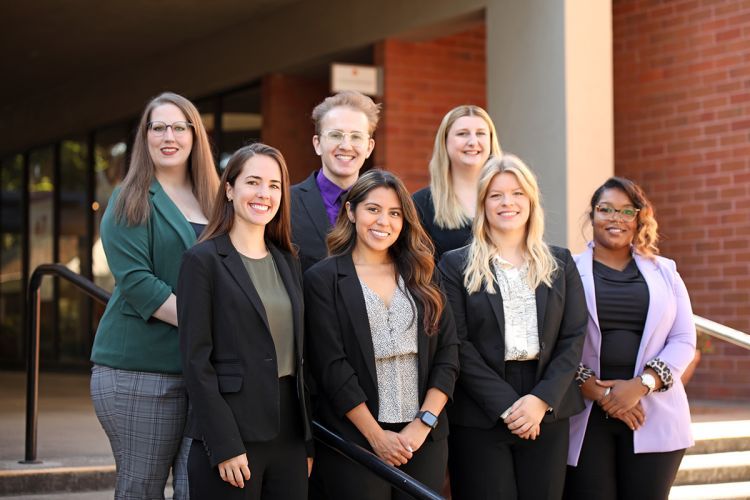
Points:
(491, 464)
(335, 477)
(278, 467)
(609, 468)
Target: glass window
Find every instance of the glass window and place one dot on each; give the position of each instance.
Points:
(11, 259)
(41, 227)
(241, 122)
(110, 164)
(74, 327)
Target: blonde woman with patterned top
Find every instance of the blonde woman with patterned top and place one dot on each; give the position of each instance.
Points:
(520, 316)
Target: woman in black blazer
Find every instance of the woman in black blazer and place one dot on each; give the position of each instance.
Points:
(241, 337)
(382, 343)
(520, 315)
(465, 139)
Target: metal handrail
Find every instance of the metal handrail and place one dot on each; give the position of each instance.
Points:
(722, 332)
(395, 477)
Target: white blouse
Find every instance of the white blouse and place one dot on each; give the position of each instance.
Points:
(394, 339)
(519, 308)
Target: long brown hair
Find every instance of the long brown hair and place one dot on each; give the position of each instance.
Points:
(647, 230)
(279, 230)
(132, 203)
(412, 253)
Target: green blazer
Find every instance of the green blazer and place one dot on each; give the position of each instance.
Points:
(145, 261)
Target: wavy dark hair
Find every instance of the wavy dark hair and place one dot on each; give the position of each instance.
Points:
(646, 234)
(278, 231)
(412, 253)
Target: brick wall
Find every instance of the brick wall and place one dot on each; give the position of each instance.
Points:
(682, 130)
(421, 82)
(286, 104)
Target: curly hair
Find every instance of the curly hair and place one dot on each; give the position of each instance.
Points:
(647, 234)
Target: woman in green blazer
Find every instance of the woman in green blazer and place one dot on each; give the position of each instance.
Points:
(153, 217)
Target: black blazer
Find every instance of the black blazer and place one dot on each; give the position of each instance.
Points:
(482, 394)
(341, 355)
(228, 354)
(310, 223)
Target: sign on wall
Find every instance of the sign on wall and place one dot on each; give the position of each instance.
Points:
(365, 79)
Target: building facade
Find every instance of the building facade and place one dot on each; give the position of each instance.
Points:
(652, 90)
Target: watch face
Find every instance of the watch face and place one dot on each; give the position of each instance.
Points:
(648, 380)
(429, 419)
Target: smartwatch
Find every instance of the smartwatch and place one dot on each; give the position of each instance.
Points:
(649, 381)
(427, 418)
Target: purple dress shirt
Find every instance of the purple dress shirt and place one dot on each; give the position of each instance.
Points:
(332, 196)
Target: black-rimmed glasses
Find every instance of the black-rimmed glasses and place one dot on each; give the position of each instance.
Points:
(178, 128)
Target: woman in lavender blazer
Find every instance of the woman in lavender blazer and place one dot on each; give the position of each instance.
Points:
(640, 338)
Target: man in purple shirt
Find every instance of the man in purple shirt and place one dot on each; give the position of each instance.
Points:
(344, 126)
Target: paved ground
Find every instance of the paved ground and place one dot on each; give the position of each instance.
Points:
(69, 433)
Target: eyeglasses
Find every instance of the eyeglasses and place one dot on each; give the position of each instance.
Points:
(356, 139)
(626, 214)
(178, 128)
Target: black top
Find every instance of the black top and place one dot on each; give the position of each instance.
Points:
(444, 239)
(198, 228)
(621, 305)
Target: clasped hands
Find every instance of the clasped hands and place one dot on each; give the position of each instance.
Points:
(525, 416)
(397, 448)
(620, 399)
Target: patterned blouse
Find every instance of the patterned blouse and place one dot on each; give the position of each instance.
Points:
(394, 339)
(519, 308)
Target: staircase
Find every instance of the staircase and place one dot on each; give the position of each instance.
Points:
(718, 466)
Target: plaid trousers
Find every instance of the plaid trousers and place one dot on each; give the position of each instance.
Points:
(143, 414)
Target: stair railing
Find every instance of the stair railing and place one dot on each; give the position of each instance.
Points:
(395, 477)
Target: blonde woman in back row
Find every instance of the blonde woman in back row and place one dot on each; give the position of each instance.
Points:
(465, 139)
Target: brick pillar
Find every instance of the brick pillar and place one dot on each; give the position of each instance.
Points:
(682, 102)
(286, 104)
(421, 82)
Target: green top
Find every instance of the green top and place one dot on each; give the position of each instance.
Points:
(267, 282)
(145, 261)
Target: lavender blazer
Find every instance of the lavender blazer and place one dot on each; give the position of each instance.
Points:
(669, 334)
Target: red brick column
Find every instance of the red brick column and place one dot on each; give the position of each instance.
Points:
(682, 130)
(286, 104)
(421, 82)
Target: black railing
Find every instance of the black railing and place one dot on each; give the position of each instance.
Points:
(392, 475)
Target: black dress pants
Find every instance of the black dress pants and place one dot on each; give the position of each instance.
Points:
(278, 467)
(492, 464)
(609, 468)
(335, 477)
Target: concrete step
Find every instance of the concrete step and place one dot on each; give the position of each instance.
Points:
(734, 491)
(717, 437)
(732, 466)
(56, 479)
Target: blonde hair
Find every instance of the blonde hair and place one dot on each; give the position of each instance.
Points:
(449, 214)
(541, 262)
(348, 99)
(132, 204)
(647, 230)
